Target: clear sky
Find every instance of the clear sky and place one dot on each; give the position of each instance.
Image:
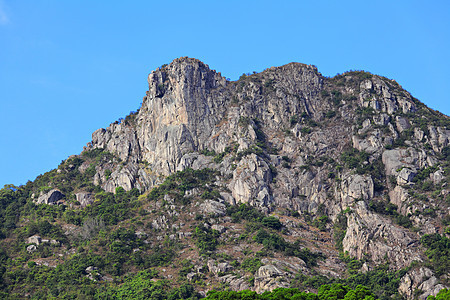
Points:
(70, 67)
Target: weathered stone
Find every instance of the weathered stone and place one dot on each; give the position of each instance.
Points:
(31, 248)
(405, 176)
(217, 268)
(219, 228)
(236, 284)
(291, 111)
(85, 199)
(269, 278)
(356, 187)
(211, 207)
(421, 279)
(369, 234)
(402, 123)
(35, 239)
(250, 181)
(51, 197)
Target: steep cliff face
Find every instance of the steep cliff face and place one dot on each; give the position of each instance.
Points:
(290, 139)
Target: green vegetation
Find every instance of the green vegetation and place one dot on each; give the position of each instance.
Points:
(330, 114)
(390, 209)
(438, 252)
(381, 281)
(244, 212)
(274, 242)
(158, 245)
(271, 222)
(206, 239)
(305, 130)
(325, 292)
(340, 228)
(359, 161)
(251, 264)
(443, 294)
(177, 184)
(321, 222)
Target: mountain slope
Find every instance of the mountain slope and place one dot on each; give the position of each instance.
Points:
(282, 178)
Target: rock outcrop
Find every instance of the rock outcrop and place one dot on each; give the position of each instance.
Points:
(51, 197)
(277, 140)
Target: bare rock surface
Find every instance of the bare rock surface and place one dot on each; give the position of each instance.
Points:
(51, 197)
(280, 141)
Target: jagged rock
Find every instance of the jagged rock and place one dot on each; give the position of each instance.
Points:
(399, 196)
(419, 279)
(217, 268)
(437, 176)
(291, 264)
(123, 177)
(276, 140)
(35, 239)
(402, 123)
(250, 182)
(191, 276)
(51, 197)
(370, 144)
(219, 228)
(211, 207)
(31, 248)
(439, 137)
(369, 234)
(356, 187)
(268, 278)
(228, 198)
(405, 176)
(85, 199)
(236, 284)
(381, 119)
(431, 287)
(192, 192)
(160, 222)
(410, 160)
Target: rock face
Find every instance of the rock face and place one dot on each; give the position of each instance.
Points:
(35, 239)
(268, 278)
(367, 234)
(52, 197)
(422, 280)
(289, 139)
(251, 180)
(85, 198)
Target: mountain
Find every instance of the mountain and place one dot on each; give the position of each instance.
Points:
(283, 178)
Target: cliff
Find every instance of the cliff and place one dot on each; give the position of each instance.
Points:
(352, 168)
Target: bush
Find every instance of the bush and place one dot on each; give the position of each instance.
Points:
(272, 222)
(251, 265)
(321, 223)
(244, 212)
(206, 239)
(438, 252)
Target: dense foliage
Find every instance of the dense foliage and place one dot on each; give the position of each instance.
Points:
(381, 281)
(325, 292)
(438, 251)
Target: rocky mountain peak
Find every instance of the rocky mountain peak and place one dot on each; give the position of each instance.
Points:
(183, 77)
(354, 154)
(283, 178)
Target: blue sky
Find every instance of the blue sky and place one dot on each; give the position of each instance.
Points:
(68, 68)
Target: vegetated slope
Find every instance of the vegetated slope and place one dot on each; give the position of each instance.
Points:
(283, 178)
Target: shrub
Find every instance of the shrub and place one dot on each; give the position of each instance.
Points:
(272, 222)
(206, 239)
(438, 252)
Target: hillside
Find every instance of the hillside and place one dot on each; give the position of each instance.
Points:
(283, 178)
